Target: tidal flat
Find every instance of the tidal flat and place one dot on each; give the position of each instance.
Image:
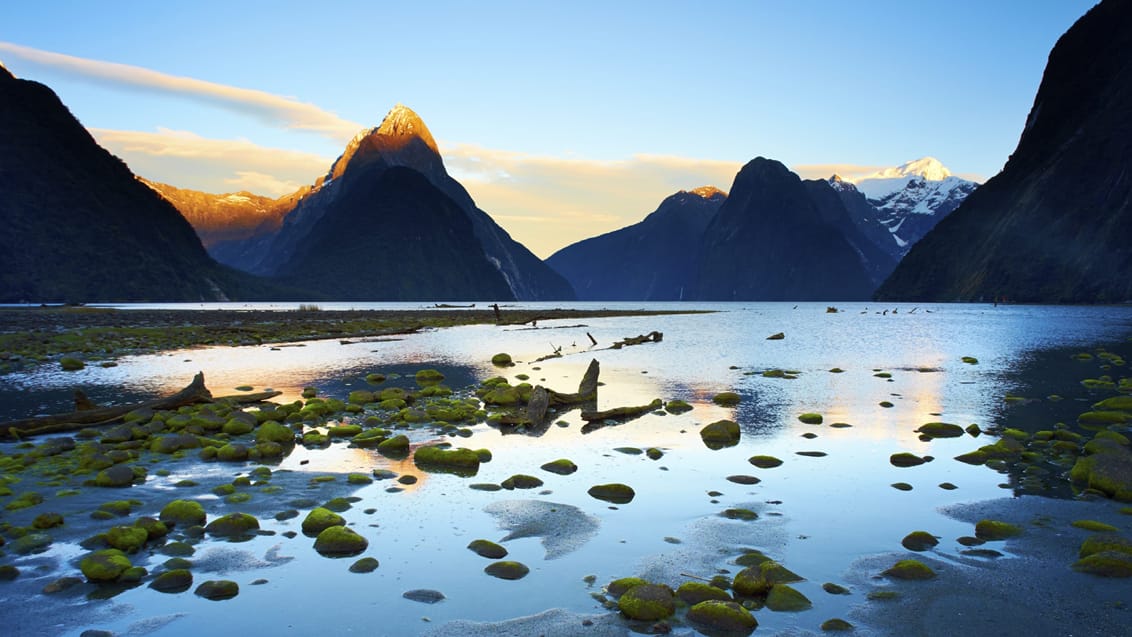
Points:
(398, 485)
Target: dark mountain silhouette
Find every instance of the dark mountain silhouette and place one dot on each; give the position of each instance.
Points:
(78, 225)
(401, 141)
(836, 209)
(770, 241)
(653, 260)
(1053, 226)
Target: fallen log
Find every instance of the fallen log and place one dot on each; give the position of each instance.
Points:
(622, 413)
(651, 337)
(194, 393)
(542, 398)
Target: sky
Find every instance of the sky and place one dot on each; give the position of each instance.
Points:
(563, 120)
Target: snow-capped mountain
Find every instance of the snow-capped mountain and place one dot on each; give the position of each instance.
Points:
(909, 199)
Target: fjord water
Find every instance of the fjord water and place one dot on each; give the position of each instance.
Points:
(817, 515)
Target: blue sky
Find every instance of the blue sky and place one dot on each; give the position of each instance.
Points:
(563, 119)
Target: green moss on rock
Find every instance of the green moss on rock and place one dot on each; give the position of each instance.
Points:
(726, 399)
(104, 566)
(722, 616)
(836, 624)
(764, 462)
(919, 541)
(991, 530)
(319, 519)
(127, 538)
(693, 593)
(521, 481)
(784, 598)
(910, 570)
(488, 549)
(507, 569)
(616, 493)
(905, 459)
(1105, 564)
(177, 580)
(183, 513)
(940, 430)
(618, 587)
(720, 434)
(463, 462)
(395, 447)
(365, 565)
(562, 467)
(340, 541)
(811, 418)
(647, 602)
(677, 407)
(218, 590)
(502, 359)
(233, 525)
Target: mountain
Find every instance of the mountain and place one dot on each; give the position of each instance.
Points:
(79, 226)
(229, 219)
(401, 141)
(911, 199)
(1053, 226)
(841, 211)
(652, 260)
(770, 241)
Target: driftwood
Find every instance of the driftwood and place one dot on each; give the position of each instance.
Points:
(622, 413)
(542, 398)
(194, 393)
(651, 337)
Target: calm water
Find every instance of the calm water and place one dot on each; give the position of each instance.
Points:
(817, 515)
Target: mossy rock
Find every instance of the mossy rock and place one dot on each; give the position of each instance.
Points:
(118, 476)
(618, 587)
(750, 582)
(238, 427)
(502, 359)
(319, 519)
(340, 541)
(177, 580)
(183, 513)
(233, 525)
(775, 573)
(105, 566)
(488, 549)
(740, 514)
(1115, 403)
(810, 418)
(905, 459)
(722, 616)
(45, 521)
(358, 478)
(692, 593)
(360, 397)
(1103, 418)
(835, 589)
(172, 443)
(218, 590)
(365, 565)
(370, 438)
(677, 407)
(396, 447)
(521, 481)
(910, 569)
(764, 462)
(428, 377)
(991, 530)
(784, 598)
(507, 569)
(232, 453)
(615, 492)
(26, 500)
(462, 462)
(647, 602)
(1105, 564)
(940, 430)
(919, 541)
(127, 538)
(970, 360)
(9, 573)
(836, 624)
(653, 453)
(71, 364)
(562, 467)
(343, 431)
(31, 543)
(1095, 526)
(777, 336)
(272, 431)
(726, 399)
(1103, 542)
(720, 434)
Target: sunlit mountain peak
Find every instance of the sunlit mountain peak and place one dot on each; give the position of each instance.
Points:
(402, 123)
(394, 140)
(708, 192)
(929, 168)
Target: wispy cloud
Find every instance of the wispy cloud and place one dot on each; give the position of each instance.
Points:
(274, 110)
(187, 160)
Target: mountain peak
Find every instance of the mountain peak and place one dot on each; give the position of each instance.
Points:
(394, 140)
(5, 74)
(707, 192)
(403, 124)
(929, 168)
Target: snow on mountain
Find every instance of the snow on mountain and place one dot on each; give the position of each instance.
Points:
(910, 199)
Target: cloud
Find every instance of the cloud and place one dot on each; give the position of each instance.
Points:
(273, 110)
(546, 203)
(187, 160)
